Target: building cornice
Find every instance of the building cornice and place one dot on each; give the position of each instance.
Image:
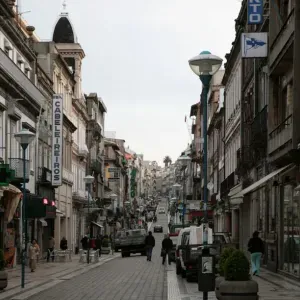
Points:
(232, 56)
(18, 38)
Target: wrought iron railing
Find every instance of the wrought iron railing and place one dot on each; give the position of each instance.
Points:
(281, 134)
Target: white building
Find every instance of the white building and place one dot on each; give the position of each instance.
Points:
(232, 142)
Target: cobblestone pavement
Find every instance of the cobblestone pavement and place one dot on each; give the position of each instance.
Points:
(134, 278)
(282, 288)
(122, 278)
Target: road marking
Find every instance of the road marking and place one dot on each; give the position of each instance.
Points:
(173, 288)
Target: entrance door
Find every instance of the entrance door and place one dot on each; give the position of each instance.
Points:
(291, 231)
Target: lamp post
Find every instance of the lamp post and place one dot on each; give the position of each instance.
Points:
(205, 65)
(88, 180)
(24, 138)
(184, 160)
(176, 187)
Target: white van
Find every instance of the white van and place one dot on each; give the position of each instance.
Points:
(181, 241)
(191, 236)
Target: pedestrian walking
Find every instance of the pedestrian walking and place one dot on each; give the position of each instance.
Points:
(256, 248)
(51, 245)
(34, 251)
(167, 246)
(84, 243)
(150, 244)
(63, 244)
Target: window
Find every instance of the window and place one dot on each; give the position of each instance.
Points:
(14, 146)
(272, 211)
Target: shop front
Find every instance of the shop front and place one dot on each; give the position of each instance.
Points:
(290, 231)
(9, 223)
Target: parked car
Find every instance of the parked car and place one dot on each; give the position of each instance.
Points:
(133, 242)
(161, 210)
(173, 251)
(158, 228)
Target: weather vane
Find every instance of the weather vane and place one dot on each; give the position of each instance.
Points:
(65, 5)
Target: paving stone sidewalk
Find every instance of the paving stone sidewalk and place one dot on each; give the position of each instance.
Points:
(47, 273)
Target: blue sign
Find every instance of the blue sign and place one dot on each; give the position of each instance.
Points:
(255, 12)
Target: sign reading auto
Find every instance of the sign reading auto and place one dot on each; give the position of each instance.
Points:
(255, 12)
(57, 139)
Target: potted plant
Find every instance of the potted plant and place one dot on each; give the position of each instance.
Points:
(105, 246)
(223, 258)
(237, 283)
(3, 273)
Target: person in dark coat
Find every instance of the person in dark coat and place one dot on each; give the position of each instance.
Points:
(63, 244)
(167, 246)
(150, 244)
(256, 248)
(84, 243)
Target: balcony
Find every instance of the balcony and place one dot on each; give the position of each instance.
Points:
(21, 82)
(227, 184)
(44, 175)
(83, 151)
(95, 128)
(280, 38)
(79, 196)
(17, 164)
(281, 136)
(96, 166)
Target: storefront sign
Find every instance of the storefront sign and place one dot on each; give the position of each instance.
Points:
(57, 139)
(255, 12)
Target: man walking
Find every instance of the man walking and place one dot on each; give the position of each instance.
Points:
(150, 244)
(50, 251)
(167, 246)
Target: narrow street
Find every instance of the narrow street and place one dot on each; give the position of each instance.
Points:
(136, 278)
(122, 278)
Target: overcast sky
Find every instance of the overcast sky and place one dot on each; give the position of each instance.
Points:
(136, 60)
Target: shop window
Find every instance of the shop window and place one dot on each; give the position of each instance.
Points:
(272, 211)
(291, 232)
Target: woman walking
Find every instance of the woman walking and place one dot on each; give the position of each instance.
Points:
(256, 248)
(34, 250)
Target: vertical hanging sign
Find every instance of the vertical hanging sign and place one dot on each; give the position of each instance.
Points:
(255, 12)
(57, 139)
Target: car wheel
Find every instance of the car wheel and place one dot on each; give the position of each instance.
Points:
(189, 278)
(123, 254)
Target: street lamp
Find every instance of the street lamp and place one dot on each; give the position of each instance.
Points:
(88, 180)
(24, 138)
(205, 65)
(184, 161)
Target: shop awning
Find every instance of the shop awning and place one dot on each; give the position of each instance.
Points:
(97, 224)
(44, 222)
(11, 200)
(60, 213)
(260, 182)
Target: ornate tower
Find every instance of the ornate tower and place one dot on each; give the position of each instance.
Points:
(67, 45)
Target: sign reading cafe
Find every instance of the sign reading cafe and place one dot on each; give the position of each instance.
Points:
(57, 139)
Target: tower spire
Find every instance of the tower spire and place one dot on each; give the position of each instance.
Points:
(64, 10)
